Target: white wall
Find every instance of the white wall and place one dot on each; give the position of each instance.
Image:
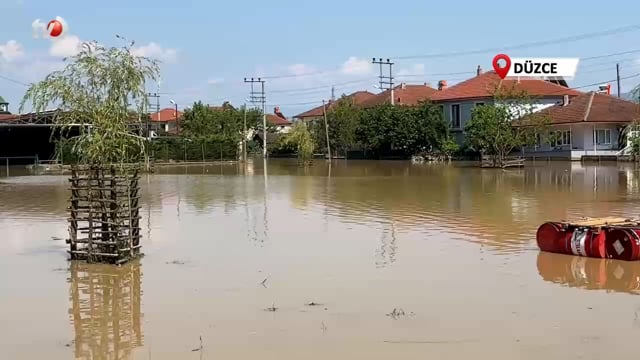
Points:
(582, 140)
(284, 129)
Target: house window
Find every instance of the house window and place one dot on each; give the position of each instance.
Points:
(455, 116)
(479, 104)
(603, 137)
(563, 138)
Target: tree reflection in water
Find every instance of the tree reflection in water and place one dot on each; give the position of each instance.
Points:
(105, 310)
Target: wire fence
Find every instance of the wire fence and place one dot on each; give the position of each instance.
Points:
(7, 160)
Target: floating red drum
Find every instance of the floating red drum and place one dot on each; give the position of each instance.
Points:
(580, 241)
(623, 243)
(550, 237)
(586, 242)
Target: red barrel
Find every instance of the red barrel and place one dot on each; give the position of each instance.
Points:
(550, 236)
(623, 243)
(558, 238)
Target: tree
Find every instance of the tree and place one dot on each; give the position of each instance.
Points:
(407, 130)
(449, 147)
(98, 88)
(634, 94)
(511, 122)
(227, 124)
(342, 121)
(221, 129)
(300, 139)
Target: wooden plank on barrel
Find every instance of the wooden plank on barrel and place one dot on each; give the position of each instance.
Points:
(602, 221)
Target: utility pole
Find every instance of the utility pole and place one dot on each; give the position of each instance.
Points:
(333, 93)
(326, 129)
(259, 97)
(244, 135)
(386, 82)
(152, 108)
(618, 78)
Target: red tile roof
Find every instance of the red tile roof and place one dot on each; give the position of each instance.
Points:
(403, 94)
(165, 115)
(595, 108)
(277, 120)
(483, 86)
(358, 98)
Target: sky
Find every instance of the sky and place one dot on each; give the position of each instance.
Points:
(207, 48)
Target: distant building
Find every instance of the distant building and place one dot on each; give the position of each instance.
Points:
(317, 112)
(403, 94)
(279, 121)
(165, 121)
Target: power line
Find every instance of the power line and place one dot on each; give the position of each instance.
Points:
(527, 45)
(427, 75)
(14, 81)
(583, 36)
(598, 67)
(319, 89)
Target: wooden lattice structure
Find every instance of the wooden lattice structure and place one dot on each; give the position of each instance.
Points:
(105, 310)
(104, 221)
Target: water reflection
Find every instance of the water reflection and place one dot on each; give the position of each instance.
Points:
(386, 255)
(105, 310)
(590, 274)
(499, 209)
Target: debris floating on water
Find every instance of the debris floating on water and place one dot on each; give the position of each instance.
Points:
(272, 308)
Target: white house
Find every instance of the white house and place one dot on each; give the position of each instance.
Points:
(587, 125)
(279, 121)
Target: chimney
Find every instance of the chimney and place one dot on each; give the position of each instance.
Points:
(478, 71)
(426, 84)
(565, 100)
(442, 84)
(403, 86)
(276, 112)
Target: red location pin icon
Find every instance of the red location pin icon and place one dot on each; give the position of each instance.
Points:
(502, 71)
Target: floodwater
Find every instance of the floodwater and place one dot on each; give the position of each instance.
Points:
(398, 261)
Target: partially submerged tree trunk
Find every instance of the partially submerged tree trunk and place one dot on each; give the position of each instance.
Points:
(104, 216)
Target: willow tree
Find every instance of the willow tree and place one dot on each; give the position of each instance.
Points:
(300, 139)
(101, 91)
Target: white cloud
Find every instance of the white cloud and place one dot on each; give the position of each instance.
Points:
(11, 51)
(70, 45)
(155, 51)
(356, 66)
(65, 46)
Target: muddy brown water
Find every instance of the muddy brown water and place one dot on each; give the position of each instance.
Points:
(397, 261)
